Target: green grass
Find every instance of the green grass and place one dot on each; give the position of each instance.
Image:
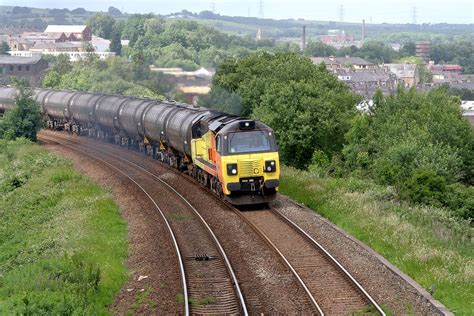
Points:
(62, 240)
(431, 246)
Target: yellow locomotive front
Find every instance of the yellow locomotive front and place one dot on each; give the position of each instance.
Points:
(245, 156)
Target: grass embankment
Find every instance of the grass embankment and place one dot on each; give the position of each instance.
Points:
(434, 248)
(62, 241)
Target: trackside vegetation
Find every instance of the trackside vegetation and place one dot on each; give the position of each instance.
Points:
(428, 243)
(62, 240)
(398, 176)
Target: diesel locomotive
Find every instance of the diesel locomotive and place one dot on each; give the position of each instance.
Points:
(237, 158)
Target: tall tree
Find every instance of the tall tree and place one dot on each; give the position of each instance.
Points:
(308, 108)
(115, 41)
(102, 24)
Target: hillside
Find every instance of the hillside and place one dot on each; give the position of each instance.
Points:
(35, 18)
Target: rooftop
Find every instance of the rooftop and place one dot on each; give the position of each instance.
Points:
(65, 45)
(6, 59)
(340, 60)
(402, 70)
(65, 28)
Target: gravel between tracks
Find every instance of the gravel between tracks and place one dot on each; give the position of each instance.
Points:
(268, 286)
(151, 252)
(399, 293)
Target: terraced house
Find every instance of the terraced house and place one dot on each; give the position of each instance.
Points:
(30, 69)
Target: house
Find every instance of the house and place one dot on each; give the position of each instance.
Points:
(347, 63)
(365, 83)
(73, 55)
(28, 68)
(27, 40)
(75, 33)
(422, 50)
(337, 38)
(407, 73)
(453, 69)
(57, 47)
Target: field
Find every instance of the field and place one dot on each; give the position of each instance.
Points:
(63, 242)
(424, 242)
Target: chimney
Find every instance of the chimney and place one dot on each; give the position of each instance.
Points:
(303, 44)
(363, 30)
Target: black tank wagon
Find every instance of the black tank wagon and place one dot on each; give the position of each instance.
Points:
(192, 139)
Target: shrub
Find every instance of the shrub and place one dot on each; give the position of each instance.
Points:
(424, 186)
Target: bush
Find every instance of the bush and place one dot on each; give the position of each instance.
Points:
(24, 119)
(424, 186)
(419, 143)
(460, 200)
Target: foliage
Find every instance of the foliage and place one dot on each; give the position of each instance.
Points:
(376, 51)
(425, 74)
(460, 52)
(319, 49)
(426, 242)
(409, 135)
(63, 249)
(113, 75)
(183, 43)
(424, 186)
(4, 48)
(102, 24)
(62, 64)
(115, 41)
(222, 100)
(307, 107)
(408, 49)
(24, 119)
(462, 93)
(114, 11)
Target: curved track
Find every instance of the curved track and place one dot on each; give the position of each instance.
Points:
(328, 285)
(209, 282)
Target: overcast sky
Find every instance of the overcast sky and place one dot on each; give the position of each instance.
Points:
(377, 11)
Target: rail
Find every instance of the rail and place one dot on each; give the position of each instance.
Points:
(196, 212)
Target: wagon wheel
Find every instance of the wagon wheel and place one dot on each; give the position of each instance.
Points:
(219, 190)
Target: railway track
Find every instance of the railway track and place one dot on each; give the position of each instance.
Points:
(331, 288)
(328, 285)
(209, 283)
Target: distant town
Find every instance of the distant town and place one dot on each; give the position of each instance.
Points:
(28, 51)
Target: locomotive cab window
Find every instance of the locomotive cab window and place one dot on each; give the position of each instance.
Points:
(249, 142)
(218, 143)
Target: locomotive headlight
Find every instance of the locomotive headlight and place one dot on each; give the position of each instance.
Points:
(231, 169)
(270, 166)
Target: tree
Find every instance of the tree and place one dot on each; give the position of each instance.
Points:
(115, 41)
(4, 48)
(221, 100)
(409, 133)
(79, 11)
(21, 10)
(319, 49)
(308, 108)
(408, 49)
(24, 119)
(102, 24)
(376, 51)
(114, 11)
(62, 64)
